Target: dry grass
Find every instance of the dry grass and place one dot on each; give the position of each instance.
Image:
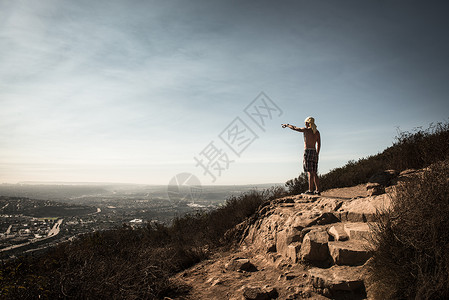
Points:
(411, 257)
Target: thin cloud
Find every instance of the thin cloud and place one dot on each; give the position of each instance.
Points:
(118, 81)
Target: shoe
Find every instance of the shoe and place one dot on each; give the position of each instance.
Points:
(317, 193)
(308, 192)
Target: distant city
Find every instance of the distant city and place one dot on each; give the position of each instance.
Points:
(36, 215)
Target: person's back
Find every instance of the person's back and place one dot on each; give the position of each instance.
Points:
(310, 138)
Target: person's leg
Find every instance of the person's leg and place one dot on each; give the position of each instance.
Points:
(310, 181)
(316, 181)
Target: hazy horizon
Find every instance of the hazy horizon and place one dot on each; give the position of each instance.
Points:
(99, 183)
(140, 92)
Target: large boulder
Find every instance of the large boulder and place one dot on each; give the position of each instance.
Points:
(262, 233)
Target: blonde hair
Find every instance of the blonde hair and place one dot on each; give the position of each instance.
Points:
(311, 122)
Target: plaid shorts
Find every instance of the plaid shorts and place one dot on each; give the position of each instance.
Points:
(310, 163)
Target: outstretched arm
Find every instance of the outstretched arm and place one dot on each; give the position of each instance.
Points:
(293, 127)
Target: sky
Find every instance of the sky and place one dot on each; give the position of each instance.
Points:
(143, 91)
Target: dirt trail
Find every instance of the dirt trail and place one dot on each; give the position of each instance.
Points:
(211, 280)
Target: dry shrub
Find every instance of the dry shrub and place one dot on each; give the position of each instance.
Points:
(410, 150)
(297, 185)
(354, 172)
(411, 240)
(420, 148)
(210, 227)
(122, 263)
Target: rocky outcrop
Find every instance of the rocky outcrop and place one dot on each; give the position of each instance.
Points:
(296, 247)
(311, 224)
(358, 231)
(331, 233)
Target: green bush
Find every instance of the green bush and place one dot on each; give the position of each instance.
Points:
(411, 240)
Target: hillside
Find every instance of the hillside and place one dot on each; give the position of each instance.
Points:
(330, 247)
(275, 244)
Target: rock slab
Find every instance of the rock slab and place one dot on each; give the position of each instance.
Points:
(351, 253)
(358, 231)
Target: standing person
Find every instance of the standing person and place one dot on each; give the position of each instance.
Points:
(312, 146)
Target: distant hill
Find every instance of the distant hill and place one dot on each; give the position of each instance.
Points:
(41, 208)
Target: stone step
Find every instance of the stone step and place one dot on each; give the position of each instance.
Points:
(363, 209)
(350, 253)
(358, 231)
(351, 216)
(338, 279)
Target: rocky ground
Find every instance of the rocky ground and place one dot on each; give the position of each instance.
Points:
(299, 247)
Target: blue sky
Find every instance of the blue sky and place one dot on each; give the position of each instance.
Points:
(132, 91)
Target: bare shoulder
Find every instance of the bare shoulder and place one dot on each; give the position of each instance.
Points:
(308, 131)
